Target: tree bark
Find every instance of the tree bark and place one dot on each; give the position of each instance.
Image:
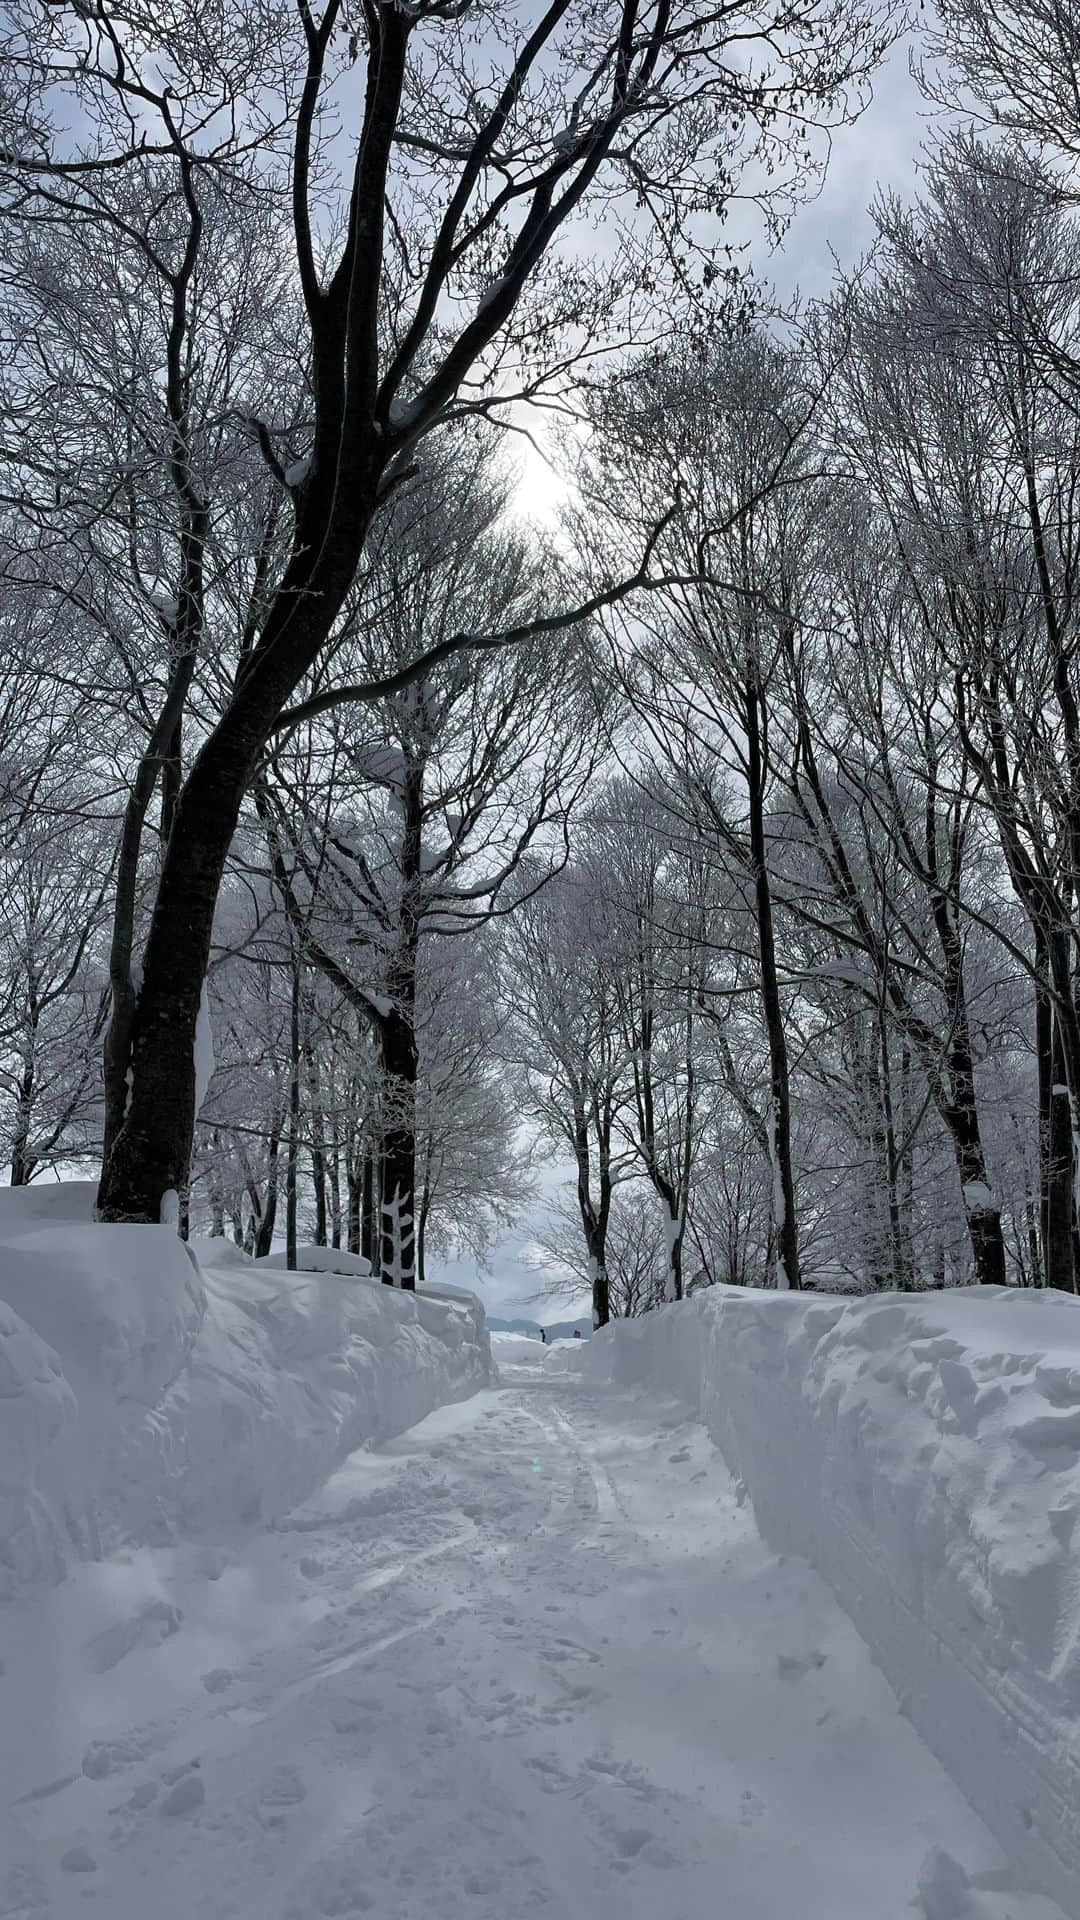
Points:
(267, 1218)
(397, 1254)
(789, 1270)
(369, 1207)
(149, 1154)
(293, 1155)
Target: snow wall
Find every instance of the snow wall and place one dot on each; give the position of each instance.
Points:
(151, 1390)
(923, 1453)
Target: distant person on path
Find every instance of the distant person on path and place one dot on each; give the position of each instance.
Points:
(543, 1336)
(577, 1333)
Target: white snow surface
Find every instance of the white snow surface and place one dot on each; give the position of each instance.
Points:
(151, 1391)
(923, 1453)
(531, 1658)
(515, 1349)
(312, 1259)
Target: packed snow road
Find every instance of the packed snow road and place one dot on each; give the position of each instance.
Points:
(531, 1658)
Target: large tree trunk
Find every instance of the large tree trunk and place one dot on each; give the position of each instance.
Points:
(333, 1164)
(421, 1236)
(594, 1217)
(23, 1162)
(397, 1259)
(399, 1055)
(264, 1235)
(292, 1161)
(150, 1151)
(149, 1155)
(674, 1231)
(789, 1273)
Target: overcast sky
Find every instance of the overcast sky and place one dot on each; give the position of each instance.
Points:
(880, 152)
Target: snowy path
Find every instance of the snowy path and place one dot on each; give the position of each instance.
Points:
(531, 1658)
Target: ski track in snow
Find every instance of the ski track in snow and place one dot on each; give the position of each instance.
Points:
(531, 1658)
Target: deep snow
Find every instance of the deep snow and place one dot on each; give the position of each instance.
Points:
(151, 1392)
(923, 1452)
(530, 1658)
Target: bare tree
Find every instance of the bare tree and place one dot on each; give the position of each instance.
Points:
(435, 282)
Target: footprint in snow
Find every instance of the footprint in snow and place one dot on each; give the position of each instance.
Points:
(634, 1844)
(78, 1860)
(103, 1757)
(795, 1666)
(143, 1797)
(188, 1794)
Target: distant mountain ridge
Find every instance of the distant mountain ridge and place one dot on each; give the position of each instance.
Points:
(558, 1330)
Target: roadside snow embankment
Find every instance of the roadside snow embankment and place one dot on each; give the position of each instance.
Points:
(923, 1453)
(516, 1350)
(150, 1390)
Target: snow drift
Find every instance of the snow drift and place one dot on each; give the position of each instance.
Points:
(516, 1349)
(151, 1390)
(923, 1452)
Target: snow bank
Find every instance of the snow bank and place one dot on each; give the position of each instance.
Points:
(516, 1349)
(150, 1390)
(311, 1259)
(923, 1452)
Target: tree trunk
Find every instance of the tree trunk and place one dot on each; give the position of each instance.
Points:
(1055, 1148)
(789, 1273)
(601, 1297)
(369, 1208)
(594, 1218)
(421, 1236)
(23, 1162)
(397, 1258)
(674, 1229)
(149, 1153)
(334, 1168)
(980, 1207)
(353, 1192)
(264, 1234)
(318, 1180)
(293, 1155)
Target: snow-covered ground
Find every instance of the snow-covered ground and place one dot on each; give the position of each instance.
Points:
(923, 1452)
(529, 1658)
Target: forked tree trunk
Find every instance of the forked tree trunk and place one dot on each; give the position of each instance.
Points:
(149, 1152)
(151, 1149)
